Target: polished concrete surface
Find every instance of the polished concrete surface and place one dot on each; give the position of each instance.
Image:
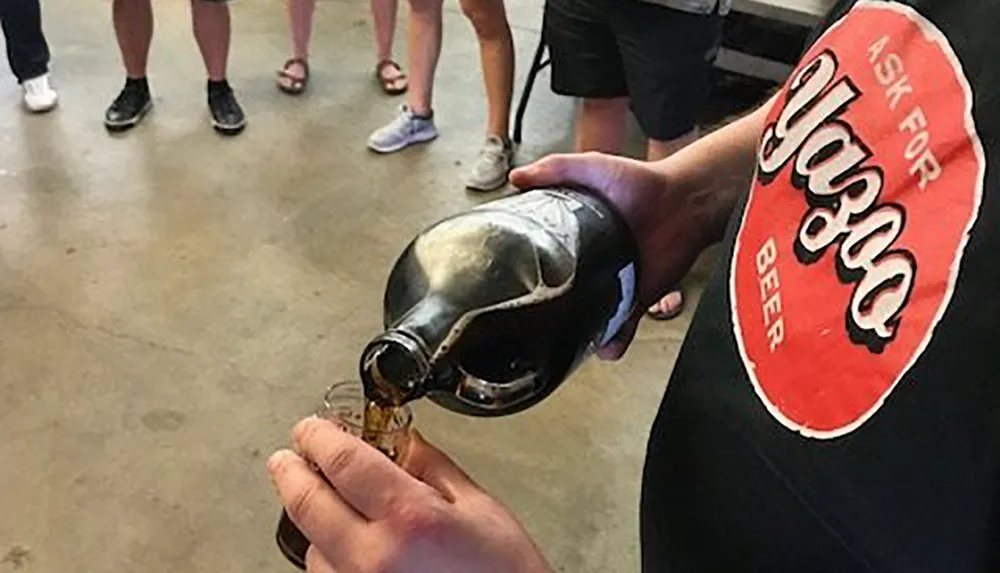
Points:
(171, 302)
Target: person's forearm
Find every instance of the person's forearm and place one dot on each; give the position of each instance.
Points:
(713, 173)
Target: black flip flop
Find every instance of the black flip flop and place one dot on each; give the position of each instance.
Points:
(298, 84)
(669, 315)
(387, 83)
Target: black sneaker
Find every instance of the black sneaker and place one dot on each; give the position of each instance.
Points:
(227, 115)
(128, 109)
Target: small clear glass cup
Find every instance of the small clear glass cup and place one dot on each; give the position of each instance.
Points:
(344, 404)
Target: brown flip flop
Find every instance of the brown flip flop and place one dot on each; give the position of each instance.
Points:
(387, 83)
(298, 84)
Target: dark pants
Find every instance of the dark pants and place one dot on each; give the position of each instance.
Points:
(27, 51)
(659, 57)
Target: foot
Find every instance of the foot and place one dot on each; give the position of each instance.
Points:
(227, 115)
(489, 173)
(668, 307)
(39, 97)
(293, 77)
(128, 109)
(391, 77)
(407, 129)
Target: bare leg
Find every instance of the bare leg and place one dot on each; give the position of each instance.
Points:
(300, 23)
(212, 31)
(601, 125)
(496, 52)
(655, 151)
(425, 48)
(134, 29)
(384, 14)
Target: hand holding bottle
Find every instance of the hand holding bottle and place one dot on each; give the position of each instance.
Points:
(676, 207)
(668, 245)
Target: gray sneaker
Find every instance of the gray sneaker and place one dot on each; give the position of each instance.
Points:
(489, 173)
(407, 129)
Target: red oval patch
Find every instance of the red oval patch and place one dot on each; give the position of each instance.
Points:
(869, 179)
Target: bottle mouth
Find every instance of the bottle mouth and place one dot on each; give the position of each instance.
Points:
(393, 369)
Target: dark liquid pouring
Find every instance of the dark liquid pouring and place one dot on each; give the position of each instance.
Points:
(377, 420)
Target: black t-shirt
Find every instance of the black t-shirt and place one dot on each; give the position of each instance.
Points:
(836, 405)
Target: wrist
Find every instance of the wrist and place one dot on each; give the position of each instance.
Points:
(690, 210)
(705, 204)
(709, 177)
(670, 232)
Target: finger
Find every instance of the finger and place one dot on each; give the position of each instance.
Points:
(313, 505)
(337, 423)
(433, 467)
(545, 171)
(363, 477)
(616, 348)
(316, 563)
(587, 169)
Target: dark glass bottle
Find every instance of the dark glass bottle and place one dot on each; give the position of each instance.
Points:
(488, 311)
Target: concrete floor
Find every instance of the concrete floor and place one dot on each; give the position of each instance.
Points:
(171, 302)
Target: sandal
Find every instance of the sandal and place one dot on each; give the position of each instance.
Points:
(390, 83)
(671, 314)
(297, 84)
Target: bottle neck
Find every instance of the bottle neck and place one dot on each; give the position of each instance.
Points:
(394, 368)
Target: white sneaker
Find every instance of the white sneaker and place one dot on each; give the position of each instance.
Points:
(407, 129)
(39, 97)
(489, 173)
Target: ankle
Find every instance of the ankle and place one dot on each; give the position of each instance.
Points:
(139, 83)
(215, 86)
(34, 77)
(502, 136)
(422, 114)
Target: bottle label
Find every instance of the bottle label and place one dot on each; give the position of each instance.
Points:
(626, 280)
(554, 211)
(557, 212)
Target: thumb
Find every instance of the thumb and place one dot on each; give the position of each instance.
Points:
(587, 169)
(433, 467)
(616, 348)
